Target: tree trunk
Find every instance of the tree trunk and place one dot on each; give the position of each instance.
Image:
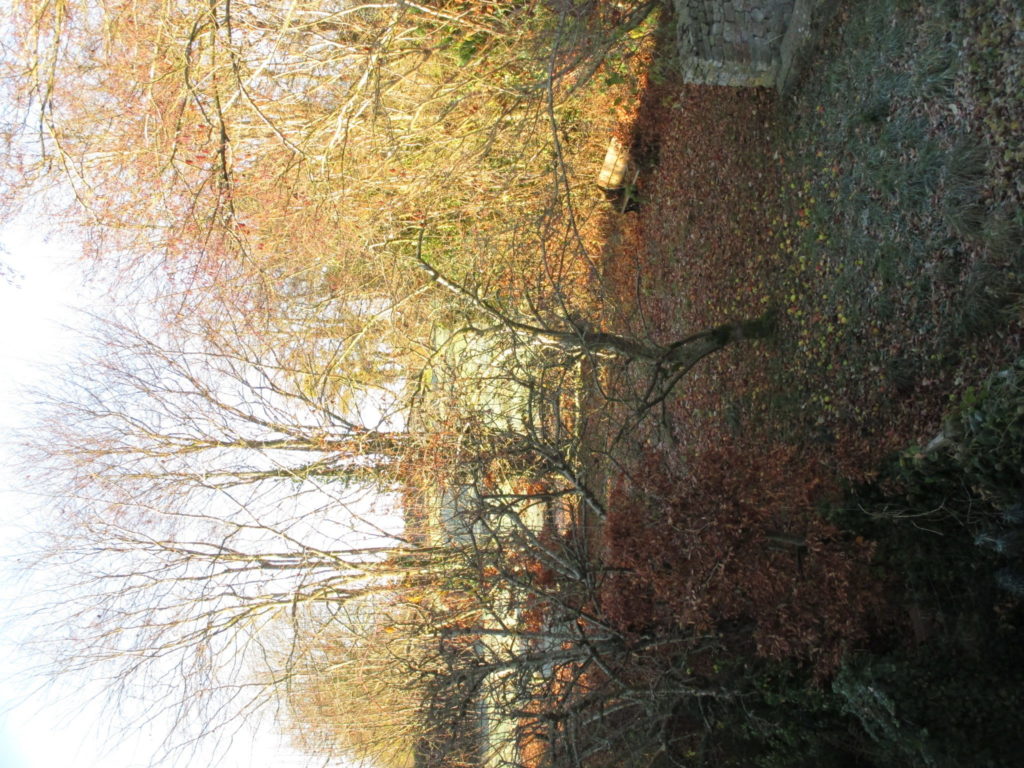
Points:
(681, 354)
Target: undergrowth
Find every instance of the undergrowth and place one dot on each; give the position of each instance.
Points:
(903, 268)
(878, 208)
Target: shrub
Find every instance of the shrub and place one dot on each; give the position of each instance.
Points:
(947, 707)
(990, 449)
(979, 463)
(736, 549)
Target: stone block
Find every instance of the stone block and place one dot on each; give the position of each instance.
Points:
(739, 41)
(761, 53)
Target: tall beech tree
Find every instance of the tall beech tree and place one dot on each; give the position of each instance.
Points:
(202, 498)
(231, 140)
(210, 511)
(333, 202)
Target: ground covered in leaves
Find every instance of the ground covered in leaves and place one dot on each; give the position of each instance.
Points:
(863, 207)
(877, 210)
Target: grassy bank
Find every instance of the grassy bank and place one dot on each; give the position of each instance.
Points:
(901, 269)
(878, 209)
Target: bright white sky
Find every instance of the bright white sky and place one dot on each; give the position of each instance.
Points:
(59, 727)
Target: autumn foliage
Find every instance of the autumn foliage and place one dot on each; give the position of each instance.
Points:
(736, 548)
(394, 307)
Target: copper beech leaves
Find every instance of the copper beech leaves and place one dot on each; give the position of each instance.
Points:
(736, 547)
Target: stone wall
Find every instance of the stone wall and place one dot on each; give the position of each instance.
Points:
(746, 42)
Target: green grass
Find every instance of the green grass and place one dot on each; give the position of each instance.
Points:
(994, 70)
(902, 274)
(901, 259)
